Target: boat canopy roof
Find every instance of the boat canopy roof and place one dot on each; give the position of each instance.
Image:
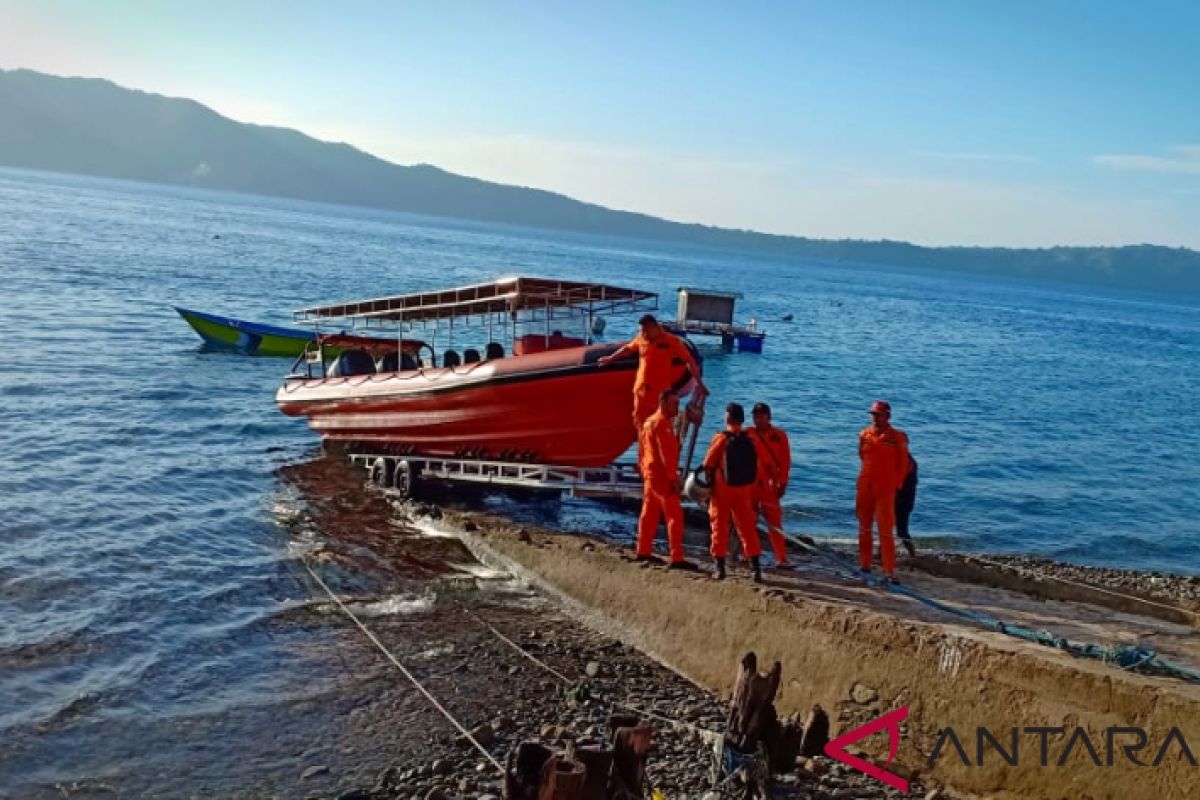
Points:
(502, 296)
(372, 344)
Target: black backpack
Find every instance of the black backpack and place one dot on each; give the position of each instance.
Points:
(741, 460)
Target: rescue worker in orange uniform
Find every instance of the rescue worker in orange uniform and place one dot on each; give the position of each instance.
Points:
(658, 462)
(732, 462)
(773, 480)
(665, 364)
(883, 451)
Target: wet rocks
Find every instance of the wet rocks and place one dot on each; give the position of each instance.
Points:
(483, 734)
(534, 705)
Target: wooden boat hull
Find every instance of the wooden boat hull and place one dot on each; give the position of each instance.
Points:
(556, 407)
(252, 338)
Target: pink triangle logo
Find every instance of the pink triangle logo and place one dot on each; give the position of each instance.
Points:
(890, 722)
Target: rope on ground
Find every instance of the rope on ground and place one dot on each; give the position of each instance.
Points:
(433, 700)
(1128, 657)
(565, 681)
(1081, 585)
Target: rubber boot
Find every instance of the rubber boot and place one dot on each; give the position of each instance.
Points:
(720, 573)
(757, 569)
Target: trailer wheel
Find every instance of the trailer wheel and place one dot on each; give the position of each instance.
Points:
(381, 473)
(404, 481)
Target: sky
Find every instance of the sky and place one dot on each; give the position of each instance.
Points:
(1016, 123)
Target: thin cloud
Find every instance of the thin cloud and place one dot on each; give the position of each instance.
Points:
(1185, 161)
(996, 158)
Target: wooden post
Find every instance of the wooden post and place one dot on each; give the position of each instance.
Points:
(562, 779)
(752, 712)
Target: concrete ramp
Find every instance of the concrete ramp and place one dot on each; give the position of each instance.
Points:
(973, 696)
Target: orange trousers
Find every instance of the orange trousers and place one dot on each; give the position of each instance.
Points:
(645, 403)
(736, 502)
(772, 512)
(657, 503)
(874, 504)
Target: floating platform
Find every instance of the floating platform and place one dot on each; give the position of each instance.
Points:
(703, 312)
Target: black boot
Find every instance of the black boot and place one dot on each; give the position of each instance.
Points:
(757, 569)
(720, 573)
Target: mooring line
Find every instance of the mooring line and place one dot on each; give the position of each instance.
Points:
(566, 681)
(433, 700)
(1047, 576)
(808, 543)
(561, 677)
(1125, 657)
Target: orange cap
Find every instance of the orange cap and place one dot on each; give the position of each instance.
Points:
(880, 407)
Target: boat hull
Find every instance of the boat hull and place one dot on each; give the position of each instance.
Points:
(252, 338)
(556, 407)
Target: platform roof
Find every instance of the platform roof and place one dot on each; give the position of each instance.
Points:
(500, 296)
(693, 291)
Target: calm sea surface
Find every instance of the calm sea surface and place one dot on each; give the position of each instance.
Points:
(156, 633)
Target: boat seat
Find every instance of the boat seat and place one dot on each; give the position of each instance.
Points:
(471, 356)
(395, 362)
(493, 350)
(352, 362)
(451, 359)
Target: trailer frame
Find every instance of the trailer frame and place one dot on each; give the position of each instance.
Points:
(402, 475)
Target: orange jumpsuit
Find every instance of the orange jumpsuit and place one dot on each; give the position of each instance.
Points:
(769, 490)
(658, 462)
(660, 367)
(731, 501)
(884, 455)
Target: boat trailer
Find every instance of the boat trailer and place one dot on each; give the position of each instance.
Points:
(402, 475)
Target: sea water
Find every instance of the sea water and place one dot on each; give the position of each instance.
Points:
(153, 501)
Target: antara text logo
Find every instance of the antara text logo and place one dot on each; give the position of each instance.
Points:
(1042, 746)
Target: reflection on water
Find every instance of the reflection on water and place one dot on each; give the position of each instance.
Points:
(286, 685)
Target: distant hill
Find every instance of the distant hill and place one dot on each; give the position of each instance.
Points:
(94, 127)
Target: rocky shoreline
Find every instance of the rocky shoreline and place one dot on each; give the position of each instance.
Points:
(603, 675)
(610, 676)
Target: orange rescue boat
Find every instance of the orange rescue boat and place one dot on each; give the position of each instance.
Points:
(542, 399)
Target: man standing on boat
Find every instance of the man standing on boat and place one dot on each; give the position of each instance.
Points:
(658, 462)
(665, 364)
(732, 463)
(883, 451)
(773, 478)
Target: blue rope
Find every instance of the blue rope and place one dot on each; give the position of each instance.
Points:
(1128, 657)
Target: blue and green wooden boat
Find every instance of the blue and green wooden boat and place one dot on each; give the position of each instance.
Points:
(253, 338)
